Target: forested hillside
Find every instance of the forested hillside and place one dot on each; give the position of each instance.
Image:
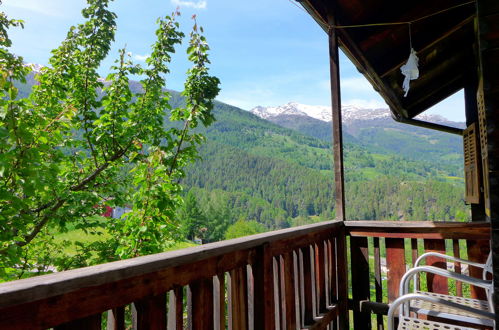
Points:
(251, 169)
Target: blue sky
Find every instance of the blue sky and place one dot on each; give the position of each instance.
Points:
(264, 52)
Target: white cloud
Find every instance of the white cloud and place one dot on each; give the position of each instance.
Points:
(201, 4)
(141, 58)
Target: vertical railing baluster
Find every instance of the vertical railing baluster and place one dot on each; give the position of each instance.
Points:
(478, 252)
(395, 263)
(92, 322)
(327, 275)
(202, 303)
(307, 277)
(239, 298)
(342, 278)
(282, 291)
(116, 319)
(360, 281)
(436, 283)
(277, 289)
(320, 277)
(414, 257)
(250, 285)
(219, 301)
(378, 283)
(150, 313)
(263, 281)
(457, 267)
(289, 290)
(333, 291)
(188, 299)
(296, 287)
(175, 309)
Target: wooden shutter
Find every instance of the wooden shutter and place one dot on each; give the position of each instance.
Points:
(471, 169)
(483, 146)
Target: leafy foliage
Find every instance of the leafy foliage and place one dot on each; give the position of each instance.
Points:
(69, 149)
(244, 228)
(278, 177)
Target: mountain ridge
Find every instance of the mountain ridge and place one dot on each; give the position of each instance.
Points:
(254, 169)
(350, 113)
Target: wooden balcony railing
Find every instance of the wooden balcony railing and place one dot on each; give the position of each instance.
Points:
(287, 279)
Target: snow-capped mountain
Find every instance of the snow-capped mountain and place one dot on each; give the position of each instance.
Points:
(350, 113)
(35, 67)
(292, 108)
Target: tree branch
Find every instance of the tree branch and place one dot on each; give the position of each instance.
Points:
(60, 202)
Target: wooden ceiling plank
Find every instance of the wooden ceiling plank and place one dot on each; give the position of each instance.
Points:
(357, 57)
(435, 38)
(433, 44)
(398, 42)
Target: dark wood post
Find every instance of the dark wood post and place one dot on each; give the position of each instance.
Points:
(488, 32)
(360, 276)
(342, 278)
(334, 64)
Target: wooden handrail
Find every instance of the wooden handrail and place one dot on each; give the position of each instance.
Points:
(419, 229)
(62, 297)
(264, 267)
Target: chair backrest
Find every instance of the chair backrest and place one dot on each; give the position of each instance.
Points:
(488, 267)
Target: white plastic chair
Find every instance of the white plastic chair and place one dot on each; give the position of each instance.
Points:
(426, 306)
(408, 322)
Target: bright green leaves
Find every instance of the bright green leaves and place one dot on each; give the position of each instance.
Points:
(79, 143)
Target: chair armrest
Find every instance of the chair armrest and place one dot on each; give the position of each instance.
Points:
(404, 282)
(413, 296)
(447, 257)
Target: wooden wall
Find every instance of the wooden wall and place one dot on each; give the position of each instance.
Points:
(488, 39)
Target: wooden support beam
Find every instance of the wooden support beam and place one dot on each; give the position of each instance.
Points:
(339, 176)
(426, 124)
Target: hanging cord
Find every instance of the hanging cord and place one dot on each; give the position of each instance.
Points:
(410, 36)
(404, 22)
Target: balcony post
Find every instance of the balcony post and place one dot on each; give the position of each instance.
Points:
(334, 65)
